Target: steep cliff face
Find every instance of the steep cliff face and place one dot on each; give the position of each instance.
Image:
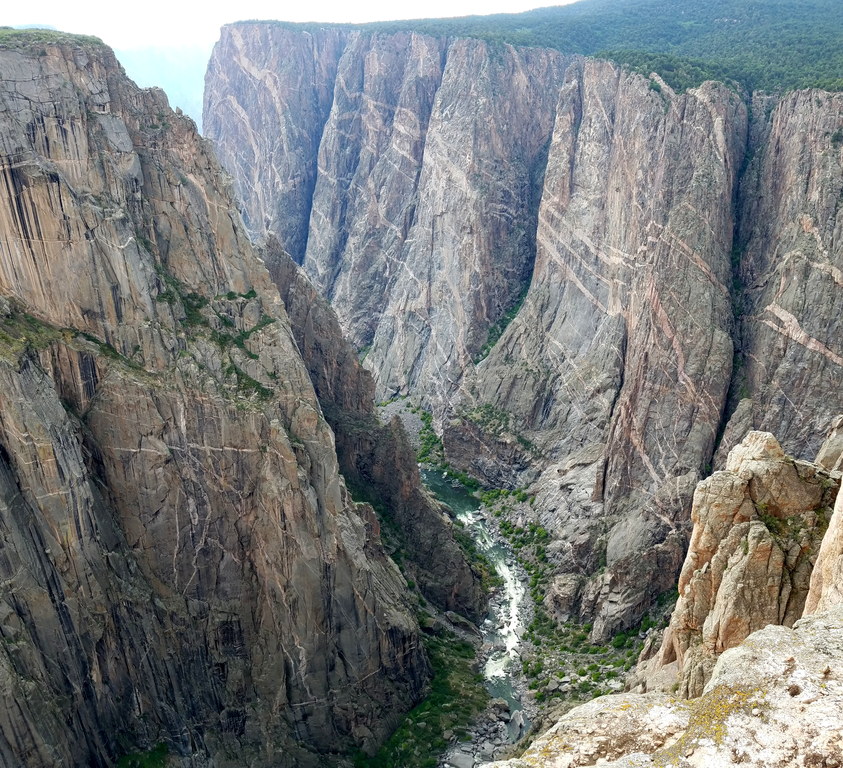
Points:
(181, 560)
(376, 458)
(427, 180)
(275, 171)
(617, 366)
(458, 179)
(791, 268)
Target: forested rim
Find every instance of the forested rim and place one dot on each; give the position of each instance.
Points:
(761, 44)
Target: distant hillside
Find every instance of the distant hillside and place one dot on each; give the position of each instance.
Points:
(763, 44)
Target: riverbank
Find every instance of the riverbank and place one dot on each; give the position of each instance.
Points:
(533, 666)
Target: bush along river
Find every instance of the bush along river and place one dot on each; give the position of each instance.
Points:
(507, 719)
(530, 663)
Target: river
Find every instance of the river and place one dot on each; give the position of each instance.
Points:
(503, 626)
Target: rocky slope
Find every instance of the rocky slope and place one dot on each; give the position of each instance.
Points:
(772, 702)
(761, 693)
(180, 559)
(678, 257)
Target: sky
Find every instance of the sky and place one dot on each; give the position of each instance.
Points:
(158, 23)
(167, 43)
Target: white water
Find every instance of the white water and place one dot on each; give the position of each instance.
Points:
(503, 627)
(505, 617)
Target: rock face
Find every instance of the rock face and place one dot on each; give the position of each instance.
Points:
(679, 266)
(617, 365)
(180, 559)
(425, 187)
(827, 577)
(772, 702)
(758, 526)
(791, 268)
(376, 458)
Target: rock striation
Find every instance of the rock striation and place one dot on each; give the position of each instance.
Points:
(592, 281)
(758, 527)
(419, 206)
(617, 366)
(789, 263)
(181, 561)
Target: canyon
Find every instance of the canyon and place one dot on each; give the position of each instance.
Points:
(182, 562)
(749, 670)
(596, 285)
(618, 305)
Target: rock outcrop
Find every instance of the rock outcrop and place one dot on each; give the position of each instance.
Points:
(772, 702)
(758, 527)
(826, 588)
(827, 577)
(458, 185)
(180, 559)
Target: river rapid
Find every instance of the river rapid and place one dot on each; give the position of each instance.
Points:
(501, 631)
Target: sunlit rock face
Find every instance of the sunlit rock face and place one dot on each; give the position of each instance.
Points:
(180, 558)
(592, 281)
(758, 526)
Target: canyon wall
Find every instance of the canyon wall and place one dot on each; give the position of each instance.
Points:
(425, 186)
(597, 285)
(181, 561)
(375, 458)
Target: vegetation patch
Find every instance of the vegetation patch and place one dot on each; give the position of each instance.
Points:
(226, 340)
(709, 719)
(246, 385)
(559, 661)
(20, 331)
(197, 320)
(154, 758)
(767, 45)
(490, 419)
(496, 331)
(233, 295)
(23, 38)
(430, 450)
(457, 695)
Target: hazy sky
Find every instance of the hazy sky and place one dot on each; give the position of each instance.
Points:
(176, 23)
(167, 43)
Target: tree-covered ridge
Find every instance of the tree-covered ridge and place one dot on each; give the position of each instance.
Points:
(762, 44)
